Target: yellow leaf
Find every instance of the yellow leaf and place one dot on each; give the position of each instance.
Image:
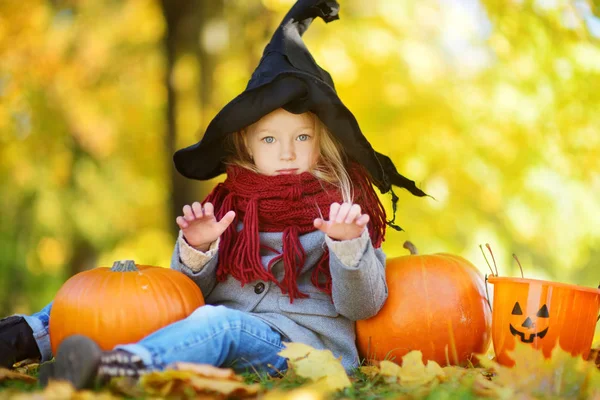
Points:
(560, 375)
(173, 383)
(413, 372)
(454, 372)
(226, 387)
(8, 375)
(491, 389)
(206, 370)
(307, 392)
(59, 390)
(317, 365)
(389, 368)
(369, 370)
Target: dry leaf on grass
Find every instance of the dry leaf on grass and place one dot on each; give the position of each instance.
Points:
(561, 375)
(206, 370)
(8, 375)
(595, 356)
(187, 380)
(491, 389)
(57, 390)
(310, 392)
(126, 386)
(412, 372)
(318, 365)
(27, 365)
(187, 383)
(461, 373)
(369, 370)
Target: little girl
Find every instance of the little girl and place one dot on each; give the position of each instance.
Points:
(286, 249)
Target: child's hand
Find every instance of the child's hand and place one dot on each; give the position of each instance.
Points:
(199, 225)
(345, 222)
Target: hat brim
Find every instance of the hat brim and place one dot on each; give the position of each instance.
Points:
(296, 93)
(204, 159)
(293, 92)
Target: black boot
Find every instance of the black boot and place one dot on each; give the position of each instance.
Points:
(16, 341)
(80, 361)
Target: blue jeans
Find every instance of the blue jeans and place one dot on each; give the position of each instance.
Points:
(39, 325)
(214, 335)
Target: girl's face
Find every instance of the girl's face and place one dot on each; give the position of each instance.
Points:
(283, 143)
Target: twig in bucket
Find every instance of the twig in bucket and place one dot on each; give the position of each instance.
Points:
(486, 260)
(493, 259)
(487, 295)
(518, 262)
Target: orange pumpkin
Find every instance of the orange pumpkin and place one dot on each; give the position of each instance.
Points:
(436, 304)
(121, 304)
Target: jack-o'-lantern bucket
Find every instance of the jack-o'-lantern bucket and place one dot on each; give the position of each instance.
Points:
(543, 314)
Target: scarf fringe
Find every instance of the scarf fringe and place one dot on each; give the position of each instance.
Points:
(294, 258)
(322, 269)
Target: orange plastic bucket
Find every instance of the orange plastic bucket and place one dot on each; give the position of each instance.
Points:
(543, 314)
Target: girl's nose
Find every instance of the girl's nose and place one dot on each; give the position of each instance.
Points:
(288, 153)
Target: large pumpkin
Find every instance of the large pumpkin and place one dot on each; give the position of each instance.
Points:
(121, 304)
(436, 304)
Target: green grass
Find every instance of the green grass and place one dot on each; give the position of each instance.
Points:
(363, 387)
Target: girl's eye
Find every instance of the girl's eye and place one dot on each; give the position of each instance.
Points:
(268, 139)
(303, 137)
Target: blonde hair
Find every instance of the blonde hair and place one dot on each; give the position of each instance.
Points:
(330, 166)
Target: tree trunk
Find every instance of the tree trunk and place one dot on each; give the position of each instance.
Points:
(185, 20)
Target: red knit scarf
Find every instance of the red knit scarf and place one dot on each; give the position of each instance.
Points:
(288, 204)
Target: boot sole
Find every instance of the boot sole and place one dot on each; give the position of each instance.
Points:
(77, 361)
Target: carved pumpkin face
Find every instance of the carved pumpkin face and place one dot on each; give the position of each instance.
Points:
(540, 313)
(528, 328)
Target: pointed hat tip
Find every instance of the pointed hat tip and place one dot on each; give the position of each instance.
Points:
(328, 10)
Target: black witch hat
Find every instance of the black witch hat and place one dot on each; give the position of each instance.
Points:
(288, 77)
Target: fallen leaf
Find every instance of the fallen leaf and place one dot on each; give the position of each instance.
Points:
(206, 370)
(126, 386)
(491, 389)
(413, 372)
(60, 390)
(317, 365)
(309, 392)
(369, 370)
(28, 363)
(8, 375)
(561, 375)
(459, 373)
(595, 356)
(169, 383)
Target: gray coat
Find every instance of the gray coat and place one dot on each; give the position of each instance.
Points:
(358, 290)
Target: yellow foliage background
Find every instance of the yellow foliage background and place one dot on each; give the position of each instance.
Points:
(491, 106)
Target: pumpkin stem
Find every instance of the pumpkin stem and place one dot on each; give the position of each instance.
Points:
(410, 247)
(124, 266)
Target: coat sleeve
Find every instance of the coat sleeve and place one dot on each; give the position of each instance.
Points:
(202, 269)
(359, 287)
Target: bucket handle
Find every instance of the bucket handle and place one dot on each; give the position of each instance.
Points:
(487, 295)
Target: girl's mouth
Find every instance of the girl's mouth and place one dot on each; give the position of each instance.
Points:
(289, 171)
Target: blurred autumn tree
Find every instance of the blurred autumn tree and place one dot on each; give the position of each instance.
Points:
(490, 106)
